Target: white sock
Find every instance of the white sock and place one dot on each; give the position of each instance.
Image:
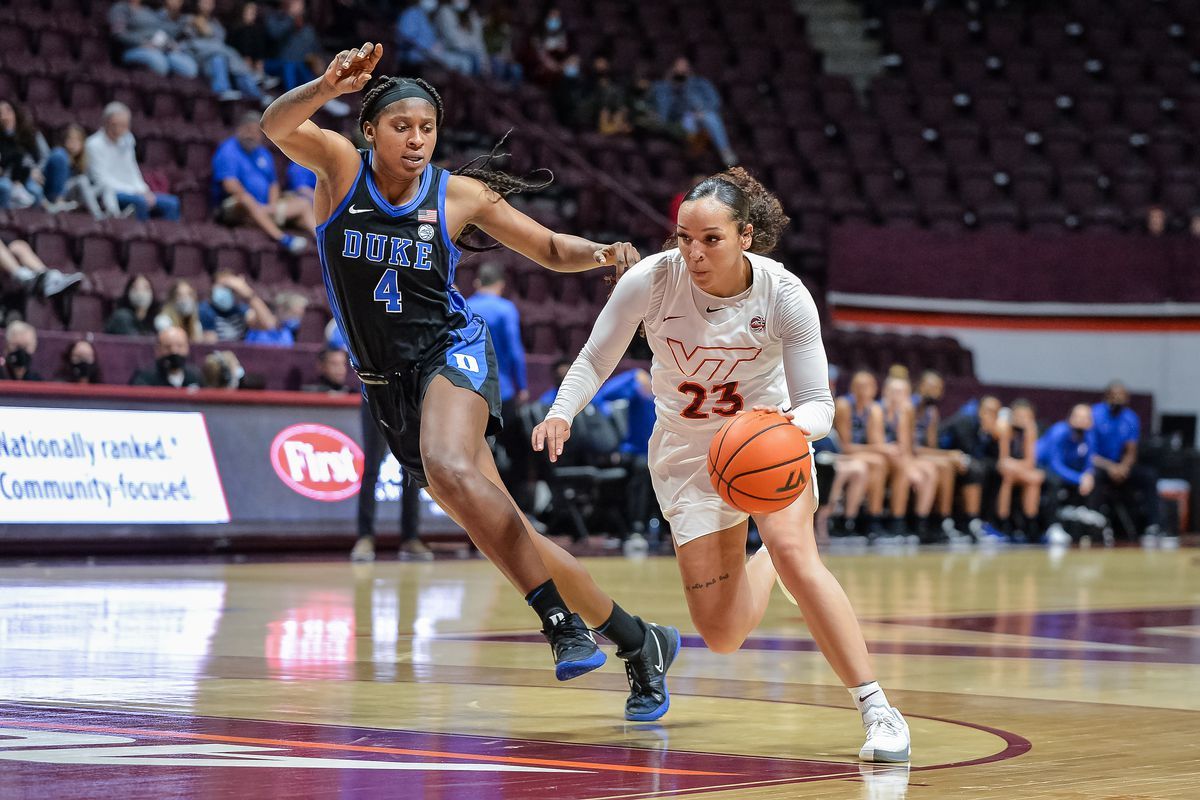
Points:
(867, 695)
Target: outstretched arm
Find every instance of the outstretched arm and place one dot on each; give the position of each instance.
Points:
(615, 326)
(287, 123)
(560, 252)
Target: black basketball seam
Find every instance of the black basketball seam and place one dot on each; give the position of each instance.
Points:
(748, 441)
(773, 466)
(769, 499)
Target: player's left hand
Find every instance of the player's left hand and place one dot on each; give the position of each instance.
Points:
(789, 415)
(621, 255)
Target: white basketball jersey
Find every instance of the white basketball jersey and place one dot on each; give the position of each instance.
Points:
(713, 356)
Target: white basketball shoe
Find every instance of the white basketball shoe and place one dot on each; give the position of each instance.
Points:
(887, 736)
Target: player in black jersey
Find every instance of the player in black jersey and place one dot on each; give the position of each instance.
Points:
(388, 246)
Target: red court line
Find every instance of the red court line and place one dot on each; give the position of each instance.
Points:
(359, 748)
(1013, 322)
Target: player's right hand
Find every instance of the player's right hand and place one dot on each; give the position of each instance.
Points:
(550, 434)
(351, 69)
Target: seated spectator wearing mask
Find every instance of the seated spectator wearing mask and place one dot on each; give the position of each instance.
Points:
(20, 345)
(245, 188)
(693, 102)
(135, 311)
(171, 367)
(289, 311)
(1116, 430)
(333, 365)
(79, 364)
(181, 310)
(1065, 453)
(233, 309)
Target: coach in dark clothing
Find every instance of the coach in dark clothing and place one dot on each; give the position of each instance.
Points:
(1116, 430)
(170, 367)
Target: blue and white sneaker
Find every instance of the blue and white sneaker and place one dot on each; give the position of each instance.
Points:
(575, 650)
(647, 673)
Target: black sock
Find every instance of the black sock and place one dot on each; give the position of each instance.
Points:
(546, 601)
(626, 632)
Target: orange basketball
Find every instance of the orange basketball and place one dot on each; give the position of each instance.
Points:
(759, 462)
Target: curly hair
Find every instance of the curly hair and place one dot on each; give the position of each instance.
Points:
(501, 183)
(749, 202)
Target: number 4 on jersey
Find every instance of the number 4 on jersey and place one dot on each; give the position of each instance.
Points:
(387, 291)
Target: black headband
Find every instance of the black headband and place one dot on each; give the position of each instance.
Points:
(401, 91)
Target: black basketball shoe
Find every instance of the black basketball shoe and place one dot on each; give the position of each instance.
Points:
(647, 673)
(575, 651)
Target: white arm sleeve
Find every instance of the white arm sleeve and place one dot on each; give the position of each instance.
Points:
(804, 361)
(610, 337)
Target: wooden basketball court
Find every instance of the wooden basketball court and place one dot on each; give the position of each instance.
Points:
(1023, 674)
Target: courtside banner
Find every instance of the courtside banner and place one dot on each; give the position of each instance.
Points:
(90, 466)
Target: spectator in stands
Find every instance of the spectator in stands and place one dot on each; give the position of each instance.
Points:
(498, 38)
(560, 373)
(181, 310)
(1194, 223)
(301, 182)
(504, 323)
(893, 432)
(417, 39)
(643, 113)
(112, 166)
(23, 154)
(67, 181)
(855, 475)
(333, 365)
(1116, 431)
(27, 275)
(289, 311)
(950, 464)
(249, 38)
(1065, 454)
(851, 420)
(970, 432)
(548, 49)
(136, 309)
(460, 29)
(634, 389)
(569, 94)
(222, 370)
(79, 364)
(245, 188)
(693, 102)
(297, 58)
(20, 346)
(233, 309)
(230, 75)
(149, 39)
(605, 103)
(1156, 220)
(1017, 439)
(171, 367)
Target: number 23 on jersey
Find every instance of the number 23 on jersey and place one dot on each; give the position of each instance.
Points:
(727, 403)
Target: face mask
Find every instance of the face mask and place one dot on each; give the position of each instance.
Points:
(679, 77)
(172, 362)
(140, 299)
(926, 400)
(429, 6)
(462, 5)
(571, 71)
(1116, 408)
(1078, 432)
(292, 325)
(82, 370)
(554, 24)
(186, 306)
(222, 298)
(18, 359)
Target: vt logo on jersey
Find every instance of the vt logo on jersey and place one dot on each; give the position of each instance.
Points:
(396, 248)
(710, 363)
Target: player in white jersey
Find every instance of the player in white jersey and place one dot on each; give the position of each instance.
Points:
(731, 330)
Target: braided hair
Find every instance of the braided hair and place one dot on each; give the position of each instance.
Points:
(749, 202)
(501, 183)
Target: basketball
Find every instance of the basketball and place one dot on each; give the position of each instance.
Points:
(759, 462)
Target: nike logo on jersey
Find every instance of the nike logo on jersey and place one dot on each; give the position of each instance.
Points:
(677, 316)
(354, 210)
(710, 309)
